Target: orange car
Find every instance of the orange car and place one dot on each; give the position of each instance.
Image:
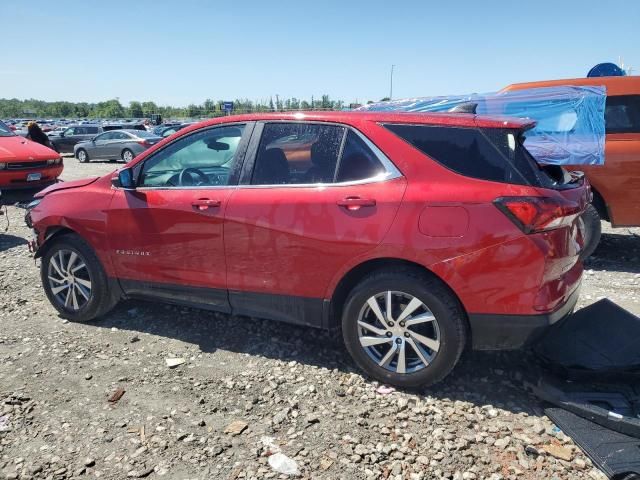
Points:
(616, 184)
(26, 164)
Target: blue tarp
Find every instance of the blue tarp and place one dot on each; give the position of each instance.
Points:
(570, 127)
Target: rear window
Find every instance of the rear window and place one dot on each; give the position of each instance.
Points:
(487, 154)
(622, 114)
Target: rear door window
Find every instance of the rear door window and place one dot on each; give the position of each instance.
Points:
(487, 154)
(622, 114)
(297, 153)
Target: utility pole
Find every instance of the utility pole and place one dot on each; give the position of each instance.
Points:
(391, 84)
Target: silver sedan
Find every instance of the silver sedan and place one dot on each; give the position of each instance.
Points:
(115, 145)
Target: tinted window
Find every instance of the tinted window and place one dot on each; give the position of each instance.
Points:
(91, 130)
(622, 114)
(70, 131)
(120, 136)
(488, 154)
(358, 162)
(205, 158)
(297, 153)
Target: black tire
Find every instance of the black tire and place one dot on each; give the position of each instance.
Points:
(126, 152)
(80, 157)
(101, 299)
(592, 231)
(449, 314)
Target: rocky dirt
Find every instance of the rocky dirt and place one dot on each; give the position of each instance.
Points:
(250, 399)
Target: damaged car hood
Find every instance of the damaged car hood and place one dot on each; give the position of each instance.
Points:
(65, 186)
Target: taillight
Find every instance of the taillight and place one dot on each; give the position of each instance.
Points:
(537, 214)
(145, 143)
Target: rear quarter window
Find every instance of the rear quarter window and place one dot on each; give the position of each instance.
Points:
(487, 154)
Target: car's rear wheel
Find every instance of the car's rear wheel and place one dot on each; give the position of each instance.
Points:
(74, 281)
(82, 156)
(591, 230)
(404, 328)
(127, 155)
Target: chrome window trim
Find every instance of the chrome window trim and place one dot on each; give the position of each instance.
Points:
(391, 171)
(380, 178)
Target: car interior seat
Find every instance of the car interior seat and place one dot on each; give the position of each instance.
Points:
(323, 161)
(272, 168)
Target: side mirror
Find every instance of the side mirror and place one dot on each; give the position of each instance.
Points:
(124, 180)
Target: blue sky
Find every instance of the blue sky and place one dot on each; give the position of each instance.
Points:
(180, 52)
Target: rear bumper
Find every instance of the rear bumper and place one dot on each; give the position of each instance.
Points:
(509, 332)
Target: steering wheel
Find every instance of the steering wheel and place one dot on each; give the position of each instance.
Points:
(190, 173)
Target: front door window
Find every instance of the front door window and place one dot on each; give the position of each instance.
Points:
(206, 158)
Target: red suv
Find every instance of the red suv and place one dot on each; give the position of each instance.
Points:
(417, 234)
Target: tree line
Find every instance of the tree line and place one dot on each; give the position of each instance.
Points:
(14, 108)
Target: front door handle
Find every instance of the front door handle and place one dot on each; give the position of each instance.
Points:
(355, 203)
(205, 203)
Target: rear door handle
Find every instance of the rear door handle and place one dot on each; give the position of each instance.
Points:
(205, 203)
(355, 203)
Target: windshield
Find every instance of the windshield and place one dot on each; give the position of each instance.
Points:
(5, 131)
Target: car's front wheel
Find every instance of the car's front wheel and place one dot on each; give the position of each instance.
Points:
(74, 281)
(404, 328)
(82, 156)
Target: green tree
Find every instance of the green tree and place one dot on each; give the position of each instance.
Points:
(109, 109)
(135, 110)
(148, 108)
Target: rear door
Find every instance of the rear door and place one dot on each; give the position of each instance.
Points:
(113, 148)
(313, 198)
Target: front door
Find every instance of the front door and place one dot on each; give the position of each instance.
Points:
(98, 146)
(166, 237)
(317, 198)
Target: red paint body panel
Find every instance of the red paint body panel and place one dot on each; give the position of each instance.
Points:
(294, 239)
(299, 241)
(16, 149)
(82, 210)
(160, 236)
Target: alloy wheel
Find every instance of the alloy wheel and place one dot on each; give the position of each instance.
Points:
(82, 156)
(398, 332)
(69, 279)
(127, 156)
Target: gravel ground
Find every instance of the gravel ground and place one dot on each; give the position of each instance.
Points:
(253, 398)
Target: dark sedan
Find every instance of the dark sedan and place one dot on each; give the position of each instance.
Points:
(114, 145)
